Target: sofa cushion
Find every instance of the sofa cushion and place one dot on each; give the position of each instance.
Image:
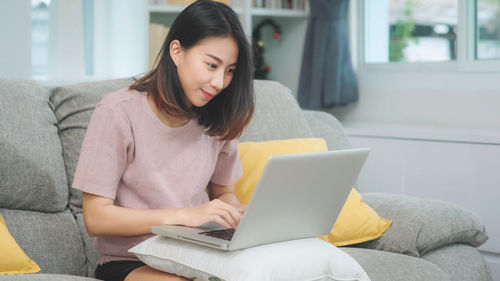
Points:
(421, 225)
(254, 156)
(461, 261)
(386, 266)
(52, 240)
(357, 222)
(88, 244)
(31, 167)
(73, 107)
(13, 259)
(277, 115)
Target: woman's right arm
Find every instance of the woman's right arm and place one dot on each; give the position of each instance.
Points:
(103, 218)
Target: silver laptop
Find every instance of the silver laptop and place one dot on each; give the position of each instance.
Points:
(297, 196)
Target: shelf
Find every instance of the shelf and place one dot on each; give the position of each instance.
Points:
(293, 23)
(279, 13)
(175, 9)
(166, 8)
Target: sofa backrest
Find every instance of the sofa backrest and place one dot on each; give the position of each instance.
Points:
(325, 125)
(277, 114)
(33, 184)
(31, 165)
(73, 107)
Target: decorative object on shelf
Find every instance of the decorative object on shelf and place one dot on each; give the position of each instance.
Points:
(187, 2)
(280, 4)
(157, 34)
(261, 68)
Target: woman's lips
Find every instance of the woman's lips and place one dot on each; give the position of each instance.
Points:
(207, 95)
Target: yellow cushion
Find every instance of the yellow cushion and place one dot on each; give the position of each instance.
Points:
(254, 157)
(13, 260)
(357, 222)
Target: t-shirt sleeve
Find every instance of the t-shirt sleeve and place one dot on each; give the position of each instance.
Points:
(103, 155)
(228, 168)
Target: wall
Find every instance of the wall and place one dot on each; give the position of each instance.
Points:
(120, 40)
(15, 47)
(460, 100)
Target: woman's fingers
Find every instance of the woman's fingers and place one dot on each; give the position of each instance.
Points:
(216, 210)
(241, 208)
(220, 221)
(227, 212)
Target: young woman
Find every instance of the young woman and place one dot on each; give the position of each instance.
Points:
(164, 151)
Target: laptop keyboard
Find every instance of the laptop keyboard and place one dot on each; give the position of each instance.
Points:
(225, 234)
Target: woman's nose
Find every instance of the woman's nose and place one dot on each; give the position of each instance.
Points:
(217, 80)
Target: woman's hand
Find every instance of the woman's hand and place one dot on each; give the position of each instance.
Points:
(227, 215)
(240, 207)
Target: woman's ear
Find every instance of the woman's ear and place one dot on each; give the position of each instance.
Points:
(175, 51)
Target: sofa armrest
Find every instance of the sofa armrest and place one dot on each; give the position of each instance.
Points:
(324, 125)
(420, 225)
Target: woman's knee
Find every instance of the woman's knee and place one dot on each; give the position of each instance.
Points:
(151, 274)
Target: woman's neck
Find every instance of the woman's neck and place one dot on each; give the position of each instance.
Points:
(166, 119)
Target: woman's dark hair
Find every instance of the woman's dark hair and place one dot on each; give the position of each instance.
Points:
(228, 113)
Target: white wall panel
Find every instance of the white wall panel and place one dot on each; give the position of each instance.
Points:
(382, 171)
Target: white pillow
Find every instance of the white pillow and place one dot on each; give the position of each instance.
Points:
(297, 260)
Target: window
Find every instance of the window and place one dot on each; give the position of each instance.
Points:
(488, 29)
(42, 32)
(39, 36)
(429, 31)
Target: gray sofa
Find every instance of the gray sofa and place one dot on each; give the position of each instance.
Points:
(41, 131)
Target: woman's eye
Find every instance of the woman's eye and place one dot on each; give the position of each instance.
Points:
(231, 70)
(211, 65)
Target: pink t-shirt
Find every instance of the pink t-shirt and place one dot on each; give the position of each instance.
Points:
(130, 156)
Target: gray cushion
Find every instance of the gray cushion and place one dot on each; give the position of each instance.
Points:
(52, 240)
(277, 115)
(386, 266)
(44, 277)
(421, 225)
(325, 125)
(462, 262)
(73, 107)
(31, 167)
(90, 251)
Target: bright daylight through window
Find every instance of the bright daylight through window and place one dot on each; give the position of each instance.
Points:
(47, 36)
(39, 36)
(488, 29)
(427, 30)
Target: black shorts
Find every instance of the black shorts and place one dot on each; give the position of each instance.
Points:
(116, 270)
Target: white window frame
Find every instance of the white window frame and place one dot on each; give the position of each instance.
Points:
(465, 62)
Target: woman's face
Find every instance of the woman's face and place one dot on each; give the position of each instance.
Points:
(206, 68)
